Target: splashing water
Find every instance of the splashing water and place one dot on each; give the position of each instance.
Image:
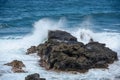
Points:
(15, 49)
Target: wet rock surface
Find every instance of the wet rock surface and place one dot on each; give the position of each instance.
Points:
(31, 50)
(34, 76)
(63, 52)
(61, 36)
(16, 66)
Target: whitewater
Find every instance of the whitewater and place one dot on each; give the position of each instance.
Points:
(14, 47)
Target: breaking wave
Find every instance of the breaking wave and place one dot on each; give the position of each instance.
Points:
(15, 48)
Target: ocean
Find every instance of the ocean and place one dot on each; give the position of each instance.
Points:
(24, 23)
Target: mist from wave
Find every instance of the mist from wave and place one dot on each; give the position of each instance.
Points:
(12, 49)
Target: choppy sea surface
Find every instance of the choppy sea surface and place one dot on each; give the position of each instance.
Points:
(24, 23)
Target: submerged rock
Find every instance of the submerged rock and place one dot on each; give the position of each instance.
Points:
(16, 66)
(34, 76)
(62, 52)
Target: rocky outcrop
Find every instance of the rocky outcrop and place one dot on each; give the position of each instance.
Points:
(61, 36)
(16, 66)
(31, 50)
(34, 76)
(62, 52)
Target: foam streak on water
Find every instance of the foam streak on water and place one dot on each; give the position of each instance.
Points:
(15, 49)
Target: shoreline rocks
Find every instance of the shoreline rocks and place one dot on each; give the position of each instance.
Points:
(61, 36)
(34, 76)
(31, 50)
(63, 52)
(16, 66)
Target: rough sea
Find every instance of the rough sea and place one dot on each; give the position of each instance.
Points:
(24, 23)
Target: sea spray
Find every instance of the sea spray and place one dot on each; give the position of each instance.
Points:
(16, 48)
(110, 39)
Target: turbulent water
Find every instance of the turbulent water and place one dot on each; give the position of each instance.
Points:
(24, 23)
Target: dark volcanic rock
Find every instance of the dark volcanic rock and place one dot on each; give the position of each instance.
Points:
(61, 35)
(100, 54)
(58, 54)
(16, 66)
(31, 50)
(35, 76)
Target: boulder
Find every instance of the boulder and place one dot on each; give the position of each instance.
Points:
(16, 66)
(61, 35)
(34, 76)
(63, 52)
(31, 50)
(100, 54)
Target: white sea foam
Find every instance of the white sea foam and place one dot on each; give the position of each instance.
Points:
(15, 49)
(110, 39)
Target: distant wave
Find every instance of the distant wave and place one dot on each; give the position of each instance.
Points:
(11, 37)
(15, 18)
(3, 25)
(113, 13)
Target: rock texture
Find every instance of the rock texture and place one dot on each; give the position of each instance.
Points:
(34, 76)
(16, 66)
(61, 36)
(63, 52)
(31, 50)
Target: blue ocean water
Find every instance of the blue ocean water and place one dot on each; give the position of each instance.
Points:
(18, 16)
